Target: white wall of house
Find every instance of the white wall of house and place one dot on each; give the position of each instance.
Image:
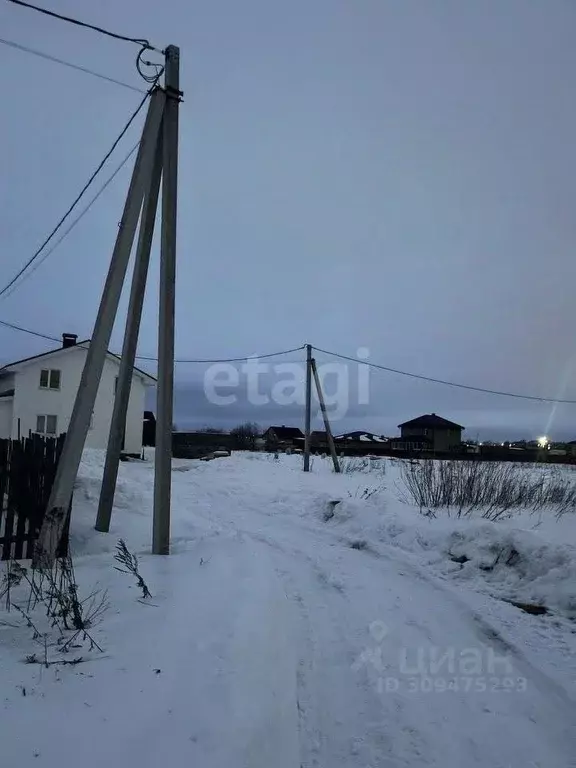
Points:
(31, 400)
(5, 417)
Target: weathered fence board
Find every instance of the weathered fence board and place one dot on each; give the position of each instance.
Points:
(27, 472)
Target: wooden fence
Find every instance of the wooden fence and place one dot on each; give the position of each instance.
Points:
(27, 472)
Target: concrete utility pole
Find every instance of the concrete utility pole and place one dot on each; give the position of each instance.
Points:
(54, 520)
(163, 469)
(335, 461)
(308, 408)
(157, 161)
(122, 395)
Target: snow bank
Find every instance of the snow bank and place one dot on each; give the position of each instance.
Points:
(517, 564)
(523, 558)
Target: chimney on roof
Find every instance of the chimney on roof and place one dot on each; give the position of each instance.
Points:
(69, 340)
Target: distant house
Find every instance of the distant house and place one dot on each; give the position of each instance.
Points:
(431, 430)
(37, 395)
(318, 441)
(280, 438)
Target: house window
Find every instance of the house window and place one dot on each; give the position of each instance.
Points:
(49, 378)
(46, 424)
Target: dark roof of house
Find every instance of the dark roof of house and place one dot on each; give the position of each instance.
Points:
(286, 433)
(61, 349)
(361, 436)
(411, 439)
(431, 421)
(7, 393)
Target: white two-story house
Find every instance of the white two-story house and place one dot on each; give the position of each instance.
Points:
(37, 395)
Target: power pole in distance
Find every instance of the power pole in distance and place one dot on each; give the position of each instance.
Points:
(308, 408)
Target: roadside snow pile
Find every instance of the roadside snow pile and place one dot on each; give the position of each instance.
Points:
(508, 562)
(518, 564)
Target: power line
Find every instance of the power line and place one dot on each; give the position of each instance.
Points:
(78, 198)
(49, 57)
(331, 354)
(227, 359)
(78, 218)
(446, 383)
(15, 327)
(27, 330)
(138, 41)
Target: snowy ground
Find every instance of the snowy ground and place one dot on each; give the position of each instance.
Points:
(288, 630)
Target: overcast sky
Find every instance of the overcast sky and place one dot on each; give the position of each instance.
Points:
(390, 174)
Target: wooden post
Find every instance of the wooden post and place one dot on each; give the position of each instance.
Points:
(325, 417)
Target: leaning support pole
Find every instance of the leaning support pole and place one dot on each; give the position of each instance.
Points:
(118, 425)
(307, 418)
(325, 417)
(52, 526)
(163, 465)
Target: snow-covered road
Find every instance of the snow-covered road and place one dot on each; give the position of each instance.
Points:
(280, 644)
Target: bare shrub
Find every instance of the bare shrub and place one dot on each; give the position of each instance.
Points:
(350, 465)
(367, 493)
(53, 592)
(493, 489)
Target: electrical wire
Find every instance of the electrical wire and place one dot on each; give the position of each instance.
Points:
(446, 383)
(78, 218)
(330, 354)
(227, 359)
(39, 250)
(138, 41)
(49, 57)
(14, 327)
